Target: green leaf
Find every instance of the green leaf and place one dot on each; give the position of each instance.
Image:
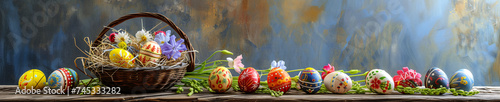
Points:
(382, 78)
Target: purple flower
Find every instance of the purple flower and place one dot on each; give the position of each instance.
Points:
(173, 49)
(163, 38)
(280, 64)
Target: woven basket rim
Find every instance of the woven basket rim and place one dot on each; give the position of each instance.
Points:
(183, 65)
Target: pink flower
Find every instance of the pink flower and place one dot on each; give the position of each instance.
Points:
(112, 37)
(408, 74)
(236, 63)
(327, 70)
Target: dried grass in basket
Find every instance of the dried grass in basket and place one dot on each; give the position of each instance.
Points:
(155, 77)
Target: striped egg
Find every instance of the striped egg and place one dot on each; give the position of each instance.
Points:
(310, 80)
(150, 53)
(63, 78)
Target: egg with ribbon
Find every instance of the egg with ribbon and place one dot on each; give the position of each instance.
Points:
(462, 80)
(121, 58)
(63, 78)
(310, 80)
(150, 53)
(338, 82)
(436, 78)
(33, 78)
(379, 81)
(220, 80)
(279, 80)
(249, 80)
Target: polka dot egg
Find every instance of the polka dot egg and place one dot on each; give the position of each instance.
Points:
(63, 78)
(338, 82)
(379, 81)
(279, 80)
(462, 80)
(220, 80)
(436, 78)
(33, 78)
(310, 80)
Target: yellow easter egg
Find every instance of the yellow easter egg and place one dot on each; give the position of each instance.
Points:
(150, 52)
(32, 78)
(220, 80)
(122, 58)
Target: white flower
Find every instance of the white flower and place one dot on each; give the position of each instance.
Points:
(122, 36)
(143, 36)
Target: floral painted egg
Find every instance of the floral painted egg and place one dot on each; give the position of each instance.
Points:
(462, 80)
(122, 58)
(33, 78)
(338, 82)
(63, 78)
(150, 52)
(310, 80)
(220, 80)
(279, 80)
(379, 81)
(436, 78)
(249, 80)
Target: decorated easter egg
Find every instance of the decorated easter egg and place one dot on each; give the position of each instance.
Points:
(338, 82)
(249, 80)
(279, 80)
(379, 81)
(33, 78)
(150, 52)
(220, 80)
(436, 78)
(310, 80)
(462, 80)
(63, 78)
(121, 58)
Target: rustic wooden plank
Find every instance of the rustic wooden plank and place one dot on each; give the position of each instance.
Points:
(488, 93)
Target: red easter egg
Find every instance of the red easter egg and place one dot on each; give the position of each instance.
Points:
(249, 80)
(279, 80)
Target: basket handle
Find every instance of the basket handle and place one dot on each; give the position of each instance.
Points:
(151, 15)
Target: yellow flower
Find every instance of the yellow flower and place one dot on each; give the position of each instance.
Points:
(462, 81)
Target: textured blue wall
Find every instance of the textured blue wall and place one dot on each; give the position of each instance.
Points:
(349, 34)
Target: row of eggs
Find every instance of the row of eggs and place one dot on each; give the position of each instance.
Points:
(149, 53)
(377, 80)
(62, 78)
(220, 80)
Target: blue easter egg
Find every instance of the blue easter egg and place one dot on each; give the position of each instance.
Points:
(436, 78)
(310, 80)
(462, 80)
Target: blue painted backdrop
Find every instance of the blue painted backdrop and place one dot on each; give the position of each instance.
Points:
(349, 34)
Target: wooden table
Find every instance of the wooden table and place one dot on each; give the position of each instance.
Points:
(488, 93)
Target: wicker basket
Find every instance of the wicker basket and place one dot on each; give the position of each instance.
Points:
(145, 79)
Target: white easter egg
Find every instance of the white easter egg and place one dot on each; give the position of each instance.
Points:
(379, 81)
(338, 82)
